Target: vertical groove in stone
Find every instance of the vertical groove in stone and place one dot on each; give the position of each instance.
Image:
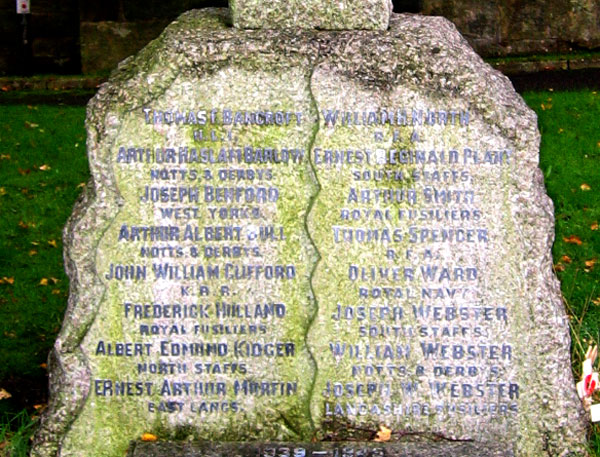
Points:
(315, 301)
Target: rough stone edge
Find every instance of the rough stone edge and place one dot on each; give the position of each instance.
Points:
(556, 374)
(551, 436)
(69, 376)
(531, 220)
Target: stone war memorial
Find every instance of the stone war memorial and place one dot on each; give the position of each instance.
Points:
(313, 228)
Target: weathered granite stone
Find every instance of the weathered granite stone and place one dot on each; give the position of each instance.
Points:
(312, 14)
(301, 235)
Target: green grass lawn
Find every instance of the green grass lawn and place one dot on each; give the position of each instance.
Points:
(570, 159)
(43, 164)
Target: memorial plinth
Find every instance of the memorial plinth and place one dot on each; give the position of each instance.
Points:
(294, 235)
(323, 449)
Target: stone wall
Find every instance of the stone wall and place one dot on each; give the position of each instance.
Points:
(515, 27)
(113, 30)
(10, 42)
(494, 28)
(69, 36)
(52, 38)
(120, 39)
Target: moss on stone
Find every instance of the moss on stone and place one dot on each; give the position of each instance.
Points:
(201, 63)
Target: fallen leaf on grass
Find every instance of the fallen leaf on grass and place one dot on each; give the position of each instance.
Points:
(45, 167)
(596, 301)
(566, 259)
(573, 239)
(589, 265)
(43, 365)
(81, 184)
(585, 187)
(5, 156)
(4, 394)
(55, 291)
(31, 125)
(384, 434)
(23, 172)
(44, 282)
(149, 437)
(40, 407)
(23, 225)
(6, 280)
(559, 267)
(2, 191)
(594, 226)
(52, 243)
(32, 252)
